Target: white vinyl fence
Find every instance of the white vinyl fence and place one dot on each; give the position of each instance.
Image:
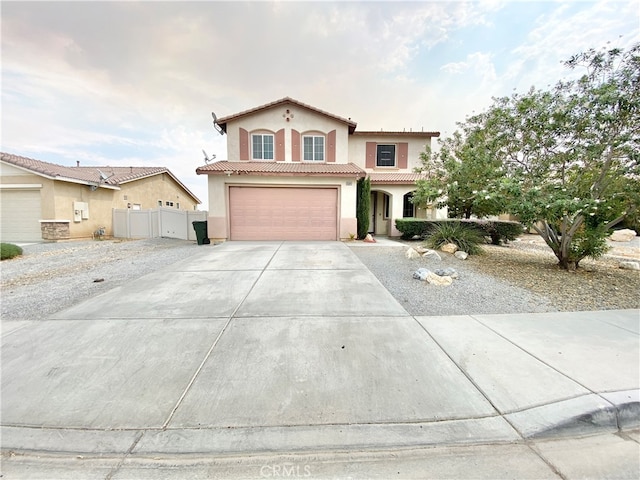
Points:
(162, 222)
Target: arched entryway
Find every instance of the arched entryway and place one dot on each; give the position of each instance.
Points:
(380, 212)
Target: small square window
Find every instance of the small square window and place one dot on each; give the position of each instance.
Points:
(386, 156)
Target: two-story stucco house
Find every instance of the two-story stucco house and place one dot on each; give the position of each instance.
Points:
(291, 174)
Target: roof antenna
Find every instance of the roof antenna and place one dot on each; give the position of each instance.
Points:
(103, 176)
(215, 124)
(208, 158)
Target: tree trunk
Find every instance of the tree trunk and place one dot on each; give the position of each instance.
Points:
(559, 242)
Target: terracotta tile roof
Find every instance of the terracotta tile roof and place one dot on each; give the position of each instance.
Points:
(399, 178)
(397, 134)
(281, 169)
(222, 121)
(115, 176)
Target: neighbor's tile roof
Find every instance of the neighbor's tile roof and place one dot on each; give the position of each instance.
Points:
(89, 175)
(398, 178)
(281, 169)
(222, 121)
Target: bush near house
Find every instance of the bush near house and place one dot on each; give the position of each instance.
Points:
(498, 231)
(465, 235)
(9, 250)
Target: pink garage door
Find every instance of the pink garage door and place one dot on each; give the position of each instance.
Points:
(279, 213)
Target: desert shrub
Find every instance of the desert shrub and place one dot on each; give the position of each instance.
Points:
(465, 235)
(411, 227)
(9, 250)
(500, 231)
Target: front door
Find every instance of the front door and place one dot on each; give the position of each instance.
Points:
(372, 212)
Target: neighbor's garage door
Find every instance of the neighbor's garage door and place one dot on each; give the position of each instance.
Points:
(20, 211)
(278, 213)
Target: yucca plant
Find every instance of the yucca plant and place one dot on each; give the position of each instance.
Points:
(467, 237)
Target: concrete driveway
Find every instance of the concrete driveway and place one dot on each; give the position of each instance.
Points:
(250, 347)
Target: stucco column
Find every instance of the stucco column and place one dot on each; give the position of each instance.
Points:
(397, 206)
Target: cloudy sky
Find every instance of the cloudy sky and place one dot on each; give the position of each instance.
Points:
(134, 83)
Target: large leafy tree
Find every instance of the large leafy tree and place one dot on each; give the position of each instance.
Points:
(461, 176)
(572, 153)
(568, 157)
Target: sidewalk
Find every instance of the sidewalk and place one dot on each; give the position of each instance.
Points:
(289, 348)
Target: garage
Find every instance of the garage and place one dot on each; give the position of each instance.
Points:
(283, 213)
(20, 213)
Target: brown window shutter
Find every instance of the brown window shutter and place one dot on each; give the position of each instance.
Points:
(244, 144)
(403, 153)
(295, 145)
(331, 146)
(280, 145)
(370, 161)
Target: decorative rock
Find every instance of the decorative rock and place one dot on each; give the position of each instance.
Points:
(434, 279)
(421, 274)
(369, 239)
(447, 272)
(630, 265)
(461, 255)
(411, 253)
(431, 255)
(624, 235)
(449, 248)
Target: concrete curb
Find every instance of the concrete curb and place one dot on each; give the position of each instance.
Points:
(581, 416)
(584, 415)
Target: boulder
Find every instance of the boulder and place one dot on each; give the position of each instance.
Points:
(434, 279)
(411, 253)
(630, 265)
(449, 248)
(421, 274)
(369, 239)
(624, 235)
(431, 255)
(447, 272)
(461, 255)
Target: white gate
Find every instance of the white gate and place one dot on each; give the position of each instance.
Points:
(161, 222)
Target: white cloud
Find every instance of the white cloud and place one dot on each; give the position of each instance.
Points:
(136, 82)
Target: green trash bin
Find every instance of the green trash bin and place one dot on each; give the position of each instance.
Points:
(201, 232)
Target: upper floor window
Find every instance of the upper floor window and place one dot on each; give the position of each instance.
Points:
(386, 156)
(313, 148)
(262, 147)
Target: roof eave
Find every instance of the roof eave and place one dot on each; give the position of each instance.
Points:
(222, 122)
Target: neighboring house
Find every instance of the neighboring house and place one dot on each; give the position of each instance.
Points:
(41, 200)
(292, 170)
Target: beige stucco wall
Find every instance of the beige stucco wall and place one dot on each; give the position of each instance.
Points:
(63, 195)
(303, 120)
(146, 192)
(218, 222)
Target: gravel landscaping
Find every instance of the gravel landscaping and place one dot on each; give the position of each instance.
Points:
(517, 278)
(49, 277)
